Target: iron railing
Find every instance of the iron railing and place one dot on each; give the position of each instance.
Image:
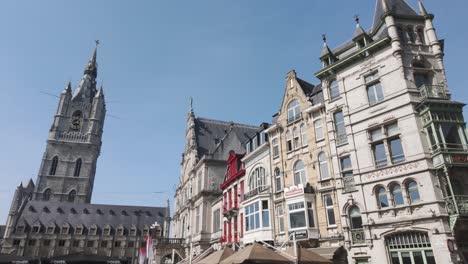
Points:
(256, 191)
(457, 204)
(433, 91)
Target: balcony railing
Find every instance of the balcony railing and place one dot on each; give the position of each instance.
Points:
(433, 91)
(256, 191)
(457, 204)
(348, 184)
(358, 236)
(448, 147)
(170, 241)
(293, 119)
(341, 138)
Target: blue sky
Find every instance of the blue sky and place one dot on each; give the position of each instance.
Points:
(231, 56)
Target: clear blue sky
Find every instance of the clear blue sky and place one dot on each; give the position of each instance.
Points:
(231, 56)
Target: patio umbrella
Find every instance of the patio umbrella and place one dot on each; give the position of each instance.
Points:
(308, 257)
(216, 257)
(256, 254)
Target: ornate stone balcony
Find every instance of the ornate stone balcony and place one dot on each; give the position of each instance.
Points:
(72, 136)
(457, 204)
(254, 192)
(433, 92)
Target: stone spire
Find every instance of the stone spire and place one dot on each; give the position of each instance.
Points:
(100, 92)
(86, 89)
(68, 89)
(91, 68)
(422, 9)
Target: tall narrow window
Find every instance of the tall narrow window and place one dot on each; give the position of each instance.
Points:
(303, 135)
(330, 210)
(374, 89)
(340, 128)
(310, 215)
(265, 214)
(299, 173)
(289, 145)
(318, 125)
(334, 90)
(382, 198)
(275, 147)
(53, 166)
(294, 111)
(397, 195)
(323, 165)
(77, 168)
(296, 138)
(280, 211)
(46, 195)
(278, 180)
(72, 196)
(197, 218)
(413, 191)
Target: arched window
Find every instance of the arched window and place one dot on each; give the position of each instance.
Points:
(303, 135)
(397, 195)
(72, 196)
(323, 165)
(382, 198)
(77, 168)
(46, 195)
(294, 111)
(413, 191)
(278, 180)
(299, 173)
(296, 138)
(410, 34)
(257, 178)
(334, 90)
(420, 33)
(355, 219)
(53, 166)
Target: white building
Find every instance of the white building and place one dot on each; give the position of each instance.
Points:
(393, 133)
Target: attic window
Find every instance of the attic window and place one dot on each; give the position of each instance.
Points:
(124, 213)
(92, 231)
(111, 212)
(59, 210)
(32, 209)
(45, 209)
(107, 231)
(20, 229)
(160, 214)
(133, 231)
(99, 212)
(148, 213)
(65, 230)
(36, 229)
(120, 231)
(73, 211)
(85, 211)
(50, 229)
(78, 230)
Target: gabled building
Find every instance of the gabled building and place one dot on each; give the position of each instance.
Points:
(203, 169)
(304, 195)
(397, 140)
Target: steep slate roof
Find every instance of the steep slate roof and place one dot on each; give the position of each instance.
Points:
(306, 87)
(60, 213)
(398, 7)
(216, 138)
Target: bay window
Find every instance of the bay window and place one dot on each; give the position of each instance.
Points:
(297, 216)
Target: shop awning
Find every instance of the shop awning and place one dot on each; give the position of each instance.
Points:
(217, 256)
(256, 254)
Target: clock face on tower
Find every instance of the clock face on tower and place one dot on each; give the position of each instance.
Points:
(75, 123)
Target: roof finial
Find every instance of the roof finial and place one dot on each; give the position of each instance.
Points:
(91, 68)
(356, 18)
(422, 9)
(324, 38)
(191, 104)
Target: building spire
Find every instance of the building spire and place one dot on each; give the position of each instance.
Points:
(68, 88)
(422, 9)
(325, 49)
(100, 92)
(91, 68)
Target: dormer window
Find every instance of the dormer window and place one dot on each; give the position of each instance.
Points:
(45, 209)
(20, 229)
(120, 231)
(133, 231)
(50, 229)
(32, 209)
(73, 211)
(92, 231)
(79, 230)
(59, 210)
(36, 229)
(111, 212)
(85, 211)
(107, 231)
(99, 212)
(65, 230)
(124, 213)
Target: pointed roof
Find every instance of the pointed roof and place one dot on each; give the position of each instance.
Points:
(217, 138)
(100, 92)
(91, 68)
(325, 49)
(422, 9)
(397, 7)
(87, 87)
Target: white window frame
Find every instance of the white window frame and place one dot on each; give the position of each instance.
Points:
(252, 210)
(299, 209)
(294, 111)
(323, 164)
(296, 143)
(318, 126)
(301, 173)
(275, 144)
(280, 211)
(329, 208)
(304, 135)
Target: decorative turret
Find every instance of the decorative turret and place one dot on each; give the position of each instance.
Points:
(422, 9)
(360, 36)
(326, 56)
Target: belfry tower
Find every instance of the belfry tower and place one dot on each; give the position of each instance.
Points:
(73, 146)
